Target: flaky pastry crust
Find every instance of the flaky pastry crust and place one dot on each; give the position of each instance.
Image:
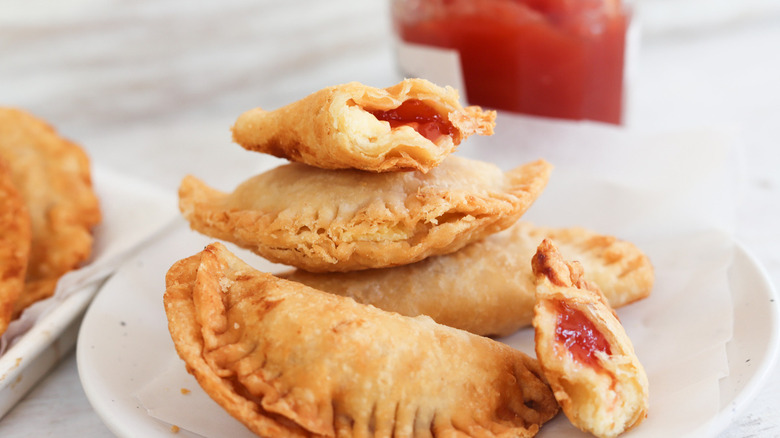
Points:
(53, 176)
(288, 360)
(492, 275)
(584, 350)
(15, 237)
(342, 220)
(335, 128)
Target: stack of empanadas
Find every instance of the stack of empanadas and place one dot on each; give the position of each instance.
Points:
(371, 185)
(47, 211)
(375, 213)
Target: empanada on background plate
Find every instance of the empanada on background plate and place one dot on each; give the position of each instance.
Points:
(343, 220)
(53, 176)
(14, 245)
(288, 360)
(412, 125)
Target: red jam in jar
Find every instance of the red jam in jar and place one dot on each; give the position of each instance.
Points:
(551, 58)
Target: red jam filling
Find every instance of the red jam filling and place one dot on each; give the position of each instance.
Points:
(579, 335)
(421, 117)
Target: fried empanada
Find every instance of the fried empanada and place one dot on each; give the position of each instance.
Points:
(412, 125)
(53, 176)
(288, 360)
(493, 275)
(14, 245)
(342, 220)
(584, 350)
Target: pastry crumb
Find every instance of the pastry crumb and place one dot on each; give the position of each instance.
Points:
(224, 284)
(185, 391)
(175, 429)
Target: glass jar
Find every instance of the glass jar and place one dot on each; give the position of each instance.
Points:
(552, 58)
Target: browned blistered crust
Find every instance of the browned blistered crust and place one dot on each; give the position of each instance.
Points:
(288, 360)
(334, 128)
(342, 220)
(488, 287)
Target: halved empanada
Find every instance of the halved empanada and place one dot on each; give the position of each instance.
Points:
(492, 275)
(342, 220)
(53, 176)
(288, 360)
(14, 245)
(410, 126)
(584, 350)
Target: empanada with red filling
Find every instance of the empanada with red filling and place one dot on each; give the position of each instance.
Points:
(584, 350)
(288, 360)
(342, 220)
(412, 125)
(493, 276)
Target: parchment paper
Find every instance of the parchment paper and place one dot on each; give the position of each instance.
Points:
(673, 194)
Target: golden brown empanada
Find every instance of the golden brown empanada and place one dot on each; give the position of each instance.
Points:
(342, 220)
(492, 275)
(288, 360)
(412, 125)
(14, 245)
(584, 350)
(53, 176)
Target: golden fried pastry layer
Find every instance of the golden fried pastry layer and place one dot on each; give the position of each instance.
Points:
(53, 176)
(15, 236)
(488, 287)
(410, 126)
(584, 350)
(288, 360)
(342, 220)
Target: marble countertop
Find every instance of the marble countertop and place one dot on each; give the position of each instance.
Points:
(151, 87)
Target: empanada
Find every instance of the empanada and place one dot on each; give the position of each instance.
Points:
(584, 350)
(342, 220)
(14, 245)
(412, 125)
(53, 176)
(288, 360)
(493, 276)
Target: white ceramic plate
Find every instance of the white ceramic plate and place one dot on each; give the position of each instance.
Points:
(124, 343)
